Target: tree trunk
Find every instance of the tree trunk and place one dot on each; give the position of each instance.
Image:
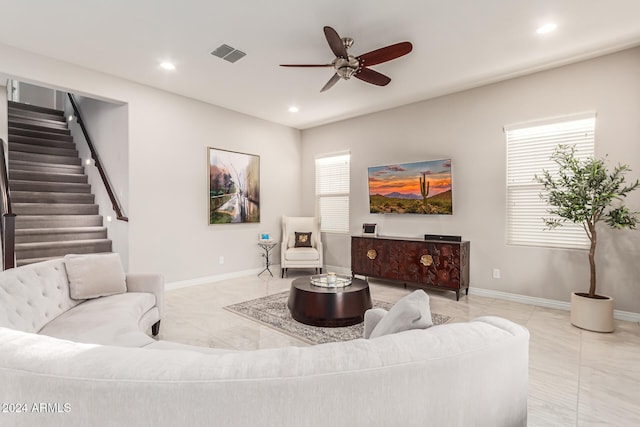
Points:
(592, 260)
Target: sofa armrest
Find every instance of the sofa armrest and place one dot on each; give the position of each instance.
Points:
(148, 282)
(371, 319)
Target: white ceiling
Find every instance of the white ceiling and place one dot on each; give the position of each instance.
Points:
(458, 44)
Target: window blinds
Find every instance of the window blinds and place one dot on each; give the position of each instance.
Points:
(332, 193)
(529, 150)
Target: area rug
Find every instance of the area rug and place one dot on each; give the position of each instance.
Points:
(272, 311)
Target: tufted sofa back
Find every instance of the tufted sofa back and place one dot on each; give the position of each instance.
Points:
(33, 295)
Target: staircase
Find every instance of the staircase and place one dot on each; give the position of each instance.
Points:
(56, 213)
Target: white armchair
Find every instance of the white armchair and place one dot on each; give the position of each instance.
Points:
(303, 250)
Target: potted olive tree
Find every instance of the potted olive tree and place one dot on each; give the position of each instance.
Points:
(584, 192)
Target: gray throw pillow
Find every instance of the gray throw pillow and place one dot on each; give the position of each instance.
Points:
(410, 312)
(95, 275)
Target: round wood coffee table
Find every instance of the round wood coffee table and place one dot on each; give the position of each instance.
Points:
(329, 307)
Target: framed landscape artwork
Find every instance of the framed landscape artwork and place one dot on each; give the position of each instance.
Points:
(234, 187)
(417, 188)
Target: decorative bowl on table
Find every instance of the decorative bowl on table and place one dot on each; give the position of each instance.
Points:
(331, 280)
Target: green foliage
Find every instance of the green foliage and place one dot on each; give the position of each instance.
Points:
(438, 204)
(586, 193)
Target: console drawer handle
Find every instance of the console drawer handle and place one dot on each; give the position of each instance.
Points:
(372, 254)
(426, 260)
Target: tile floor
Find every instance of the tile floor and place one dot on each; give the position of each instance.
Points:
(576, 377)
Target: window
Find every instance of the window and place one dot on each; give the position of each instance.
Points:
(332, 193)
(529, 150)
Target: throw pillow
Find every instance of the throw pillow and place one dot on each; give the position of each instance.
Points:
(303, 240)
(95, 275)
(410, 312)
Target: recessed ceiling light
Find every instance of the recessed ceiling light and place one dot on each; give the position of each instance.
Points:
(167, 66)
(547, 28)
(293, 109)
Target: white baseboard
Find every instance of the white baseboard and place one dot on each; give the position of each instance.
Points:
(210, 279)
(523, 299)
(543, 302)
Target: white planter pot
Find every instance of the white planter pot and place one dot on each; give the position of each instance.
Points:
(592, 314)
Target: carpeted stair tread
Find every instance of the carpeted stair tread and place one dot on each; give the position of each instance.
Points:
(35, 112)
(50, 197)
(49, 249)
(62, 244)
(61, 187)
(44, 158)
(42, 149)
(22, 175)
(42, 117)
(60, 234)
(41, 142)
(55, 209)
(25, 261)
(34, 108)
(42, 134)
(25, 165)
(23, 124)
(18, 119)
(54, 221)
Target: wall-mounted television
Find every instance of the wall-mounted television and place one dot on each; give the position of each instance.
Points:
(411, 188)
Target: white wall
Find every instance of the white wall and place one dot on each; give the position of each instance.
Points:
(467, 127)
(36, 95)
(108, 127)
(168, 191)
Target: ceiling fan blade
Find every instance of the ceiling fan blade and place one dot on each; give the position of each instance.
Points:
(371, 76)
(385, 54)
(335, 42)
(306, 65)
(332, 81)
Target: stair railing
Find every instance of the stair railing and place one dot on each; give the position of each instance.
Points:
(117, 208)
(8, 223)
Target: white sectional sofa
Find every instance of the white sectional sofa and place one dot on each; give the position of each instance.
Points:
(36, 298)
(459, 374)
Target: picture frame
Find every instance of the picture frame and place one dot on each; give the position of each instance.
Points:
(264, 237)
(423, 188)
(234, 187)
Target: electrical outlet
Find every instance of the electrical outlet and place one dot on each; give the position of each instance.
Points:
(496, 273)
(220, 260)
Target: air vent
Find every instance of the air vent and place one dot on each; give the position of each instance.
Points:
(228, 53)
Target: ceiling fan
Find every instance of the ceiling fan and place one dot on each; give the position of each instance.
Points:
(347, 66)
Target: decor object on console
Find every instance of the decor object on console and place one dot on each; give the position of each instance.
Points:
(294, 256)
(234, 187)
(436, 264)
(586, 193)
(416, 188)
(370, 230)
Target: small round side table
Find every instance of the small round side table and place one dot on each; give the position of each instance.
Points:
(266, 248)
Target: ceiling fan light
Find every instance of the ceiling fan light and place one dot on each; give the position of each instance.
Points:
(166, 65)
(293, 109)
